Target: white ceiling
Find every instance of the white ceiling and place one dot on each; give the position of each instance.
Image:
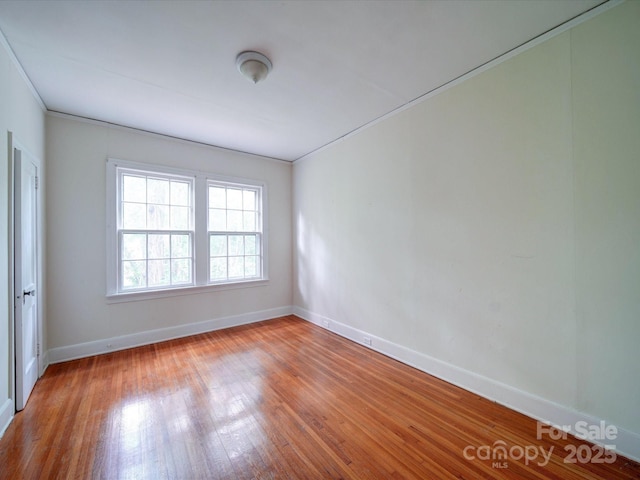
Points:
(169, 66)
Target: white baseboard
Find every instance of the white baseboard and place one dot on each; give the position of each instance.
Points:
(627, 443)
(107, 345)
(6, 415)
(44, 363)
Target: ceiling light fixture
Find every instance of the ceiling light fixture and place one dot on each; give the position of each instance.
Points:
(253, 65)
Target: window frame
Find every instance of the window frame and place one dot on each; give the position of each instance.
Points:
(200, 207)
(121, 172)
(258, 224)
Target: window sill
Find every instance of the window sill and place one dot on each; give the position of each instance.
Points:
(180, 291)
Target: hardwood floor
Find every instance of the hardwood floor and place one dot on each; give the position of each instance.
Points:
(276, 399)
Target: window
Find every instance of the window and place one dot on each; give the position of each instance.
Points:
(234, 232)
(171, 231)
(155, 240)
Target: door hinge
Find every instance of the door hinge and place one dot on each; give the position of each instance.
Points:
(38, 349)
(37, 182)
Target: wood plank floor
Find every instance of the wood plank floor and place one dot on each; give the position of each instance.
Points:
(276, 399)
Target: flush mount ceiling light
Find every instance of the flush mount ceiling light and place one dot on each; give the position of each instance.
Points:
(253, 65)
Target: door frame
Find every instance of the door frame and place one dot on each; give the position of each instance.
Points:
(14, 143)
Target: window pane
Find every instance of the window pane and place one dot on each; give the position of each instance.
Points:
(180, 218)
(134, 274)
(158, 217)
(159, 273)
(134, 189)
(249, 200)
(217, 197)
(234, 221)
(217, 220)
(217, 245)
(234, 199)
(249, 221)
(180, 194)
(134, 216)
(218, 269)
(134, 246)
(158, 247)
(236, 267)
(181, 271)
(250, 266)
(157, 191)
(180, 246)
(250, 245)
(236, 245)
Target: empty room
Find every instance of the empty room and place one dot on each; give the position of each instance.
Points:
(320, 239)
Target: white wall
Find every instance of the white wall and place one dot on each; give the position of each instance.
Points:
(606, 132)
(495, 228)
(77, 311)
(21, 114)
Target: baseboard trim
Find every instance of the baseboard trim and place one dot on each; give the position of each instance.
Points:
(108, 345)
(45, 363)
(627, 443)
(6, 415)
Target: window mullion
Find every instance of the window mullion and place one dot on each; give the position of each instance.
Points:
(201, 250)
(146, 259)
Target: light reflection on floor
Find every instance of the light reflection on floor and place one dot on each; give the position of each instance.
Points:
(144, 426)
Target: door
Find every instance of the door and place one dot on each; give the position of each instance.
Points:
(26, 276)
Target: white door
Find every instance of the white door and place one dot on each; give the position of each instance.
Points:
(26, 279)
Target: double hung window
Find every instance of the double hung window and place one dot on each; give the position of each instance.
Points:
(156, 230)
(171, 230)
(235, 232)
